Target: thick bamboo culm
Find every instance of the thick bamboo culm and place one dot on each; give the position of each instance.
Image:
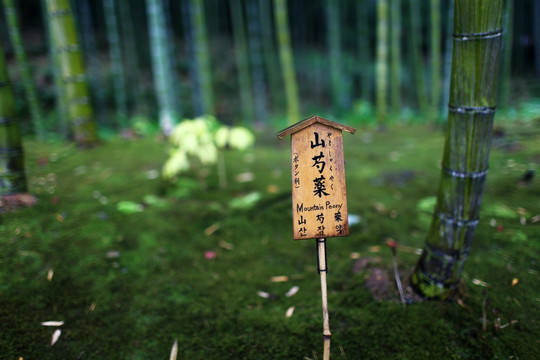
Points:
(24, 70)
(473, 95)
(12, 175)
(75, 89)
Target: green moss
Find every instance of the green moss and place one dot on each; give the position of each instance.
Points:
(128, 285)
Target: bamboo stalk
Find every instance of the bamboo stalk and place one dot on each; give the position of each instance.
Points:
(435, 18)
(115, 57)
(202, 56)
(160, 66)
(417, 58)
(287, 62)
(507, 52)
(12, 173)
(94, 67)
(395, 53)
(242, 62)
(382, 60)
(257, 69)
(475, 74)
(75, 88)
(24, 69)
(364, 50)
(271, 62)
(338, 87)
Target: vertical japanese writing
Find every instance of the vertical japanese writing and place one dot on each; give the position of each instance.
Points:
(296, 171)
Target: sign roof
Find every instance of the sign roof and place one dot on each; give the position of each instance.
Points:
(311, 120)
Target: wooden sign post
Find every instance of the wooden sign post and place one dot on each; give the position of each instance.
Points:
(319, 195)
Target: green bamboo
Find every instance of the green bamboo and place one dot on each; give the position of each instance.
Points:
(24, 69)
(202, 55)
(256, 60)
(12, 174)
(447, 59)
(94, 66)
(271, 62)
(395, 52)
(473, 96)
(364, 50)
(75, 89)
(435, 17)
(116, 61)
(242, 62)
(382, 61)
(287, 62)
(506, 80)
(417, 58)
(333, 29)
(161, 67)
(133, 73)
(536, 36)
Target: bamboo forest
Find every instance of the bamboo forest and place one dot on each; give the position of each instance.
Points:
(269, 179)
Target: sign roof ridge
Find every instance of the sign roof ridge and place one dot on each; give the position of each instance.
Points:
(311, 120)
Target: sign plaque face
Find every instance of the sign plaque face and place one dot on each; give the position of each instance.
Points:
(319, 197)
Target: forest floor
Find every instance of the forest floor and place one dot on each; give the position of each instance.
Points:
(130, 264)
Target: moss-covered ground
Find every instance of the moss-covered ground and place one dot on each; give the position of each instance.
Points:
(128, 283)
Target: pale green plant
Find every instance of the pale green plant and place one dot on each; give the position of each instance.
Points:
(196, 145)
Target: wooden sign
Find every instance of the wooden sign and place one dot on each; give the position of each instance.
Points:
(318, 178)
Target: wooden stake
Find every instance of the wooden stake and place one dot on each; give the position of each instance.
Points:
(321, 259)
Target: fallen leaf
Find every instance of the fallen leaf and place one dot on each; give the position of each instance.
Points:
(374, 249)
(112, 254)
(480, 283)
(279, 279)
(245, 177)
(92, 307)
(355, 255)
(226, 245)
(292, 291)
(55, 336)
(515, 281)
(272, 189)
(263, 294)
(212, 229)
(174, 350)
(52, 323)
(289, 312)
(59, 217)
(50, 274)
(535, 219)
(380, 208)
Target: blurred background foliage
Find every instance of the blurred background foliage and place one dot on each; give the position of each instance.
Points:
(225, 58)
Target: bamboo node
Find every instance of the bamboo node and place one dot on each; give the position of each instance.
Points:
(478, 36)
